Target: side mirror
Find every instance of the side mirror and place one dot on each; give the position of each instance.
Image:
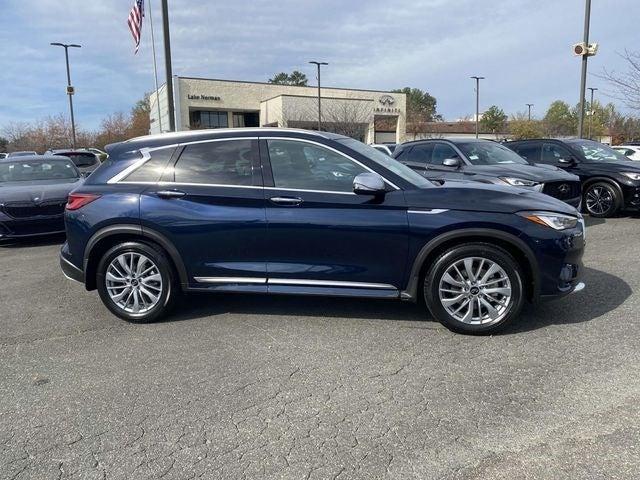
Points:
(566, 161)
(451, 162)
(369, 184)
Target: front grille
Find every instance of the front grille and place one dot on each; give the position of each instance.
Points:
(28, 210)
(562, 190)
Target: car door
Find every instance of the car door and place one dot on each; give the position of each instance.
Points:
(211, 206)
(322, 235)
(441, 152)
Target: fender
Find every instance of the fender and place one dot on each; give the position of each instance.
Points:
(140, 231)
(411, 292)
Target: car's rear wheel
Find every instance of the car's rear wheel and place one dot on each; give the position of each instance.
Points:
(474, 288)
(602, 199)
(136, 282)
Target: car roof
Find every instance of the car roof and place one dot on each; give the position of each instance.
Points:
(171, 138)
(453, 140)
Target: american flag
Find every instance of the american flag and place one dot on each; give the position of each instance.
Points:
(135, 22)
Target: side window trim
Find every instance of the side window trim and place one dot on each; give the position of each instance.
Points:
(322, 145)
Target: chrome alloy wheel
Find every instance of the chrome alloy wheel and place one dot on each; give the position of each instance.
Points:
(599, 200)
(133, 282)
(476, 291)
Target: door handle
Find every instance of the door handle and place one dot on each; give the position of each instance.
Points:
(170, 194)
(286, 201)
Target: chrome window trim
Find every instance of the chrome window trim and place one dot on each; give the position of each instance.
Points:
(146, 156)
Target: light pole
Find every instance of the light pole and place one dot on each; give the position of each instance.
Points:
(585, 56)
(477, 102)
(591, 110)
(167, 65)
(529, 105)
(318, 64)
(70, 89)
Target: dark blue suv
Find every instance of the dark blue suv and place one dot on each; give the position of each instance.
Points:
(299, 212)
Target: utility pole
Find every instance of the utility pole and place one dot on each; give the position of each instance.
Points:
(529, 105)
(477, 79)
(585, 56)
(591, 110)
(167, 65)
(318, 64)
(70, 89)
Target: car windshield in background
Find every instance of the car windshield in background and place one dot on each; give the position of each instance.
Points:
(27, 171)
(80, 159)
(598, 152)
(387, 162)
(391, 147)
(490, 153)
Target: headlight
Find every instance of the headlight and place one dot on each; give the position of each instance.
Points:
(631, 175)
(518, 182)
(557, 221)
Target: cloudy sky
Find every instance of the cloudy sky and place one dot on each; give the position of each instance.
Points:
(522, 47)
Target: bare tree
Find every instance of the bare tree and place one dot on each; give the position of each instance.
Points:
(627, 84)
(350, 118)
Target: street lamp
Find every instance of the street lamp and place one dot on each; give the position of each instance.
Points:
(477, 101)
(318, 64)
(70, 89)
(529, 105)
(593, 89)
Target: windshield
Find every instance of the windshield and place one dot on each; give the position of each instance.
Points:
(27, 171)
(597, 152)
(81, 159)
(490, 153)
(387, 162)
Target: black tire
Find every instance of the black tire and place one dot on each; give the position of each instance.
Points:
(169, 285)
(609, 194)
(485, 251)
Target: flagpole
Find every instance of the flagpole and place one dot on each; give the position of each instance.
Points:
(155, 66)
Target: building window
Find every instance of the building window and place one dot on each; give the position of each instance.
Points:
(207, 119)
(246, 119)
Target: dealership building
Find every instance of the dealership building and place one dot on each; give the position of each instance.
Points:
(371, 116)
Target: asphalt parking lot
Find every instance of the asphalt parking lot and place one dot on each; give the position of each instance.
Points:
(300, 388)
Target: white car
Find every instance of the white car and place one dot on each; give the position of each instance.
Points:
(630, 151)
(387, 148)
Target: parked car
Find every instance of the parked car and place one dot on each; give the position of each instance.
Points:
(486, 161)
(26, 153)
(296, 212)
(387, 148)
(33, 195)
(85, 160)
(610, 181)
(632, 152)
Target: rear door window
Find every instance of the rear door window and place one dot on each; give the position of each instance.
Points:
(226, 162)
(528, 151)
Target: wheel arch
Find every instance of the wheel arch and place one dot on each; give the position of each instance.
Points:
(107, 237)
(512, 244)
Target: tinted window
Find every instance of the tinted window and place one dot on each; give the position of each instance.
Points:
(489, 153)
(152, 169)
(529, 151)
(442, 151)
(306, 166)
(552, 154)
(80, 159)
(228, 162)
(25, 171)
(420, 154)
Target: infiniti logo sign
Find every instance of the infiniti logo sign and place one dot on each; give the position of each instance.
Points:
(387, 100)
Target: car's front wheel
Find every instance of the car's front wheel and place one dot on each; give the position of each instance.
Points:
(474, 288)
(602, 200)
(136, 282)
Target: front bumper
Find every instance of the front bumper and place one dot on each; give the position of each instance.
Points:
(13, 228)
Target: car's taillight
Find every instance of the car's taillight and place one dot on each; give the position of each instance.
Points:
(79, 200)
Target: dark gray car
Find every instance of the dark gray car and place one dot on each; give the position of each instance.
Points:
(487, 162)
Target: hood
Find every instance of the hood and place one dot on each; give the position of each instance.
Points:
(617, 166)
(38, 191)
(534, 173)
(480, 197)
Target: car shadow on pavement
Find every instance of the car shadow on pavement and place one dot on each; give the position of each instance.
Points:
(604, 292)
(46, 240)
